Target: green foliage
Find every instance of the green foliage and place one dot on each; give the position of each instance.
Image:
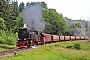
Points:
(5, 46)
(77, 25)
(28, 4)
(32, 3)
(77, 46)
(4, 9)
(74, 26)
(2, 25)
(18, 22)
(7, 37)
(9, 12)
(72, 46)
(44, 5)
(55, 22)
(21, 7)
(1, 49)
(57, 45)
(69, 46)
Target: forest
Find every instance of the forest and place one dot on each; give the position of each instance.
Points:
(11, 20)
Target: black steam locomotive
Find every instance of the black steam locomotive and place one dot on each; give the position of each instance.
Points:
(27, 38)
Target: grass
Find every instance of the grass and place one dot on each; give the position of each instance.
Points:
(1, 49)
(84, 45)
(56, 51)
(5, 47)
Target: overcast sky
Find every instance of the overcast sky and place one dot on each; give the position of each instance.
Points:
(74, 9)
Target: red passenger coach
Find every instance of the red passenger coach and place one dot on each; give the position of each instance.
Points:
(77, 38)
(47, 38)
(82, 38)
(67, 38)
(55, 38)
(86, 38)
(61, 38)
(72, 37)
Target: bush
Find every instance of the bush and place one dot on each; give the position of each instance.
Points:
(69, 46)
(8, 37)
(77, 46)
(1, 40)
(57, 45)
(2, 25)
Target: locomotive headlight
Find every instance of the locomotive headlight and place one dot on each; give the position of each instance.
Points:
(25, 39)
(18, 39)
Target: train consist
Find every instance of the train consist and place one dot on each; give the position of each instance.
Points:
(28, 38)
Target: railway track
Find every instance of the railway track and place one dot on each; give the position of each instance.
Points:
(9, 52)
(12, 52)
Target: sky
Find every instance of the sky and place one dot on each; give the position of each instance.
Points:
(73, 9)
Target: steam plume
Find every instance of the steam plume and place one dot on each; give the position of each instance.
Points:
(32, 16)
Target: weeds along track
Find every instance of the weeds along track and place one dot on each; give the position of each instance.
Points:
(12, 52)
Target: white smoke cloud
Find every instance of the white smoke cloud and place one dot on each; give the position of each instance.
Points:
(32, 16)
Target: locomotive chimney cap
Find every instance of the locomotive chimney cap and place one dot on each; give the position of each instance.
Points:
(25, 25)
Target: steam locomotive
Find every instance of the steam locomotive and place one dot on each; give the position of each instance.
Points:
(28, 38)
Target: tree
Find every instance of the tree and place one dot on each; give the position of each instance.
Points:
(56, 23)
(14, 10)
(18, 22)
(4, 12)
(9, 12)
(32, 3)
(13, 13)
(44, 5)
(21, 7)
(2, 25)
(76, 25)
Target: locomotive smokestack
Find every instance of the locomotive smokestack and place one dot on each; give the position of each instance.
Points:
(25, 25)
